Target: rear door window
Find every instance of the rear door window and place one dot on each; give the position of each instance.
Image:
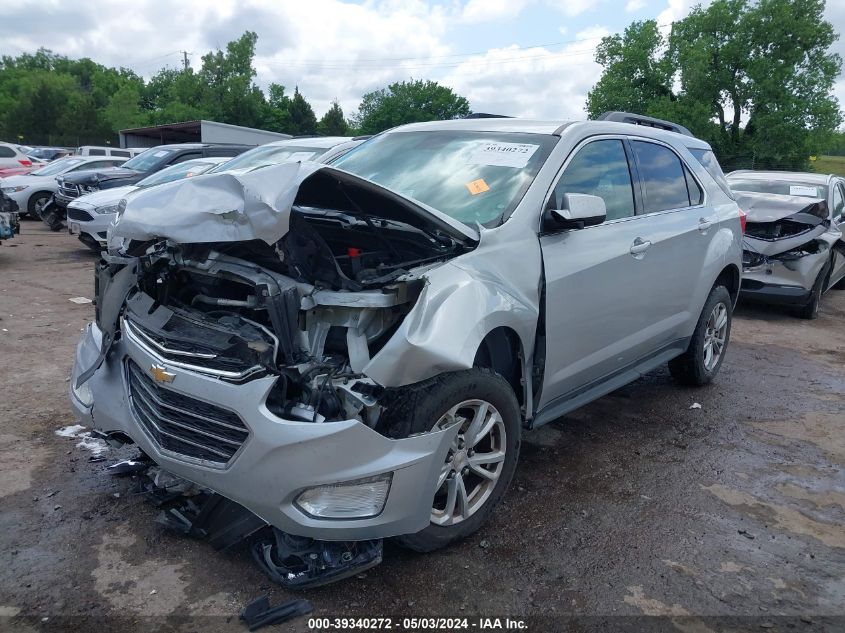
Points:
(600, 168)
(663, 178)
(96, 152)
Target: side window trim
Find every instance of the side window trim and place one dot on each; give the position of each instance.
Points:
(565, 164)
(636, 180)
(686, 169)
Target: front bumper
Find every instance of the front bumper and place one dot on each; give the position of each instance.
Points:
(280, 458)
(92, 228)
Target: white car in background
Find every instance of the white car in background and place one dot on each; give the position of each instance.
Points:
(12, 156)
(89, 216)
(320, 149)
(32, 191)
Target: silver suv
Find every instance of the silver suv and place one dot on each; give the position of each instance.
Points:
(351, 352)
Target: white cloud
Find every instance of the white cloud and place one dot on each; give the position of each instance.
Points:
(634, 5)
(491, 10)
(532, 83)
(572, 8)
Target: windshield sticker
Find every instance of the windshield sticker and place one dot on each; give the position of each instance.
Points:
(477, 186)
(503, 154)
(803, 190)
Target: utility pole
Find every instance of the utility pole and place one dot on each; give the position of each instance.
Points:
(185, 59)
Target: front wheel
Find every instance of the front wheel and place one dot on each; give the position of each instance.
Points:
(482, 458)
(36, 204)
(700, 363)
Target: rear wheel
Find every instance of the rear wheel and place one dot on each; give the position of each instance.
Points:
(482, 458)
(811, 309)
(700, 363)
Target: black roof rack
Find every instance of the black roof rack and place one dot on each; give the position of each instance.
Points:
(486, 115)
(640, 119)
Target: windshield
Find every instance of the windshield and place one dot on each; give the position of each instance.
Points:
(177, 172)
(56, 167)
(781, 187)
(470, 176)
(269, 155)
(148, 159)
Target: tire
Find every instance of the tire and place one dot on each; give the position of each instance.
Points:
(810, 311)
(420, 408)
(33, 208)
(694, 367)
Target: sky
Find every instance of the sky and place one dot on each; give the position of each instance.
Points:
(528, 58)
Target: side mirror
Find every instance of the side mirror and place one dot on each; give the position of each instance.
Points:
(579, 210)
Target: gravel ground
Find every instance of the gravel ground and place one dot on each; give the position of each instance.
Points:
(727, 517)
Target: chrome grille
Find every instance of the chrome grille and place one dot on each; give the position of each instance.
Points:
(69, 190)
(182, 424)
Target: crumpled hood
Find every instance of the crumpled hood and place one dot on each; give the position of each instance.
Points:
(102, 198)
(771, 207)
(231, 207)
(103, 175)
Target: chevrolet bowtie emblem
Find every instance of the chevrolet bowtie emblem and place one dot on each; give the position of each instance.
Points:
(160, 374)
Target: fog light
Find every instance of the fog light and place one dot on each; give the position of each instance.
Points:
(359, 499)
(83, 392)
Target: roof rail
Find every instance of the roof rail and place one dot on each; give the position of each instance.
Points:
(640, 119)
(487, 115)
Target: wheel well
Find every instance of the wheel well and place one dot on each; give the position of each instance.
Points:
(729, 278)
(501, 351)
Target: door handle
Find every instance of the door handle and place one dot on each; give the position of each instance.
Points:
(704, 223)
(640, 246)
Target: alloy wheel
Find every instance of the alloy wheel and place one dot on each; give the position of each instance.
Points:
(473, 464)
(715, 335)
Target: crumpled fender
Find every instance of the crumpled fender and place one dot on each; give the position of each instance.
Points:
(497, 285)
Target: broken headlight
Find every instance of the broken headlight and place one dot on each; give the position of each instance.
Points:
(359, 499)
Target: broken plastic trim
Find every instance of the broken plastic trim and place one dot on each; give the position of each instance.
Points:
(299, 562)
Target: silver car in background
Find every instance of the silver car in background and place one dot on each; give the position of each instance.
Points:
(349, 352)
(794, 248)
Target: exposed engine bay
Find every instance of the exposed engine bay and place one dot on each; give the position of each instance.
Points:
(311, 309)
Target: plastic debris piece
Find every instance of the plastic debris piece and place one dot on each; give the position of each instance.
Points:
(258, 613)
(80, 300)
(695, 405)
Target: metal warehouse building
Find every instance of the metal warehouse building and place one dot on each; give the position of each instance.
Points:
(196, 132)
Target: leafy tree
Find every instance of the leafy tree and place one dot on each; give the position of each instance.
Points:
(302, 117)
(754, 79)
(230, 94)
(124, 110)
(408, 102)
(333, 123)
(277, 109)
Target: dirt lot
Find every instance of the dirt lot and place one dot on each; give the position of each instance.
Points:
(727, 517)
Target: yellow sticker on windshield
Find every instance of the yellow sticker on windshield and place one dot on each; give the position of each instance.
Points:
(477, 186)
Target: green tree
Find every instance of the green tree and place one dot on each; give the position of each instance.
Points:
(277, 109)
(302, 117)
(123, 110)
(755, 79)
(230, 94)
(408, 102)
(333, 123)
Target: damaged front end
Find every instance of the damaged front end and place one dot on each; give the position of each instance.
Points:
(786, 246)
(232, 346)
